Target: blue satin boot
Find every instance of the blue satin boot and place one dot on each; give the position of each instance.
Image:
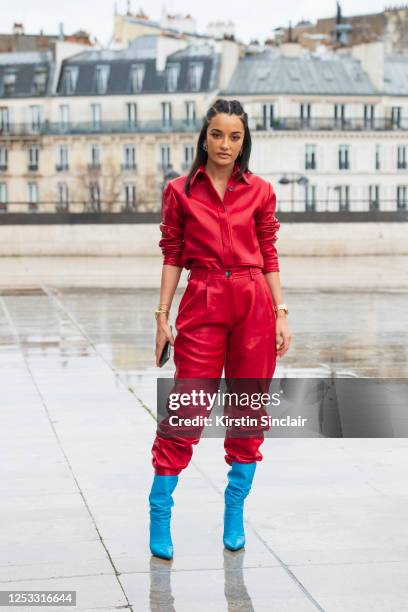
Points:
(240, 479)
(161, 503)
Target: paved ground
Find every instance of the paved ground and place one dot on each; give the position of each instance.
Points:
(327, 523)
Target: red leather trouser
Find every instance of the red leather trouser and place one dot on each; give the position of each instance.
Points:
(225, 321)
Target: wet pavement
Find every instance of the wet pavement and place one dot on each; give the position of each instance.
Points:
(78, 386)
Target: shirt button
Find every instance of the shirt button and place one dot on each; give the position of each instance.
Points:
(230, 188)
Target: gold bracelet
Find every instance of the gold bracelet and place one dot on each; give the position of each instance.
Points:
(161, 310)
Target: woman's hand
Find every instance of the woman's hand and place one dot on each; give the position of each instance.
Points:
(163, 333)
(283, 335)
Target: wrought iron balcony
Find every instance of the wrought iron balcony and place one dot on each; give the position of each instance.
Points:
(188, 126)
(127, 167)
(352, 124)
(94, 167)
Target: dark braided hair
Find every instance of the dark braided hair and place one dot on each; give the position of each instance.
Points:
(229, 107)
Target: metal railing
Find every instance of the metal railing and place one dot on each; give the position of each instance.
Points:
(188, 126)
(287, 209)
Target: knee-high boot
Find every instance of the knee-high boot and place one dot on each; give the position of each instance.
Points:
(240, 479)
(161, 503)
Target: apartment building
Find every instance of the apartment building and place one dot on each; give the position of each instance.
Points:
(99, 130)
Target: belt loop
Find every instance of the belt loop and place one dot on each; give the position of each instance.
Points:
(252, 273)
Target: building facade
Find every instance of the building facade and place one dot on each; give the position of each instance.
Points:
(99, 129)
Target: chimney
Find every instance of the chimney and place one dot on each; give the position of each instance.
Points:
(371, 56)
(61, 31)
(18, 29)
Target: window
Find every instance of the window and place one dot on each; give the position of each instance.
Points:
(64, 115)
(137, 72)
(130, 197)
(344, 157)
(310, 157)
(166, 114)
(369, 115)
(343, 197)
(131, 113)
(3, 159)
(377, 157)
(69, 80)
(374, 197)
(129, 158)
(32, 158)
(40, 80)
(305, 113)
(32, 196)
(94, 197)
(195, 74)
(95, 157)
(4, 119)
(402, 197)
(268, 116)
(339, 113)
(190, 112)
(63, 197)
(3, 196)
(36, 117)
(310, 197)
(62, 158)
(173, 71)
(96, 113)
(164, 156)
(101, 79)
(401, 157)
(396, 112)
(9, 81)
(188, 156)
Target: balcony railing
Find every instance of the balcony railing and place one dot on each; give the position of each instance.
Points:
(327, 123)
(182, 125)
(313, 210)
(127, 167)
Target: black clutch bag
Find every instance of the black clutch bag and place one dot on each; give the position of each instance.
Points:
(166, 352)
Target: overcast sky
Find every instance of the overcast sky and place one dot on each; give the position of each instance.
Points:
(252, 18)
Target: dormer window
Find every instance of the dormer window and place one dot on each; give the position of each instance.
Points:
(195, 73)
(9, 81)
(173, 71)
(40, 80)
(69, 80)
(137, 72)
(101, 79)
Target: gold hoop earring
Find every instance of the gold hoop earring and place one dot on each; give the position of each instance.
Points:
(204, 146)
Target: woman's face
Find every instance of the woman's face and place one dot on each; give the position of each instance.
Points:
(225, 137)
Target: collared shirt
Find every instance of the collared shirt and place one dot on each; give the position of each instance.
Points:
(203, 230)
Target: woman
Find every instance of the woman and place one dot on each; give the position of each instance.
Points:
(218, 222)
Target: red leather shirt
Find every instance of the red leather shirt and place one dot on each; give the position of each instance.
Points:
(201, 230)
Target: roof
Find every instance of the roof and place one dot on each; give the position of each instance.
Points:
(25, 57)
(26, 74)
(272, 72)
(396, 75)
(142, 52)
